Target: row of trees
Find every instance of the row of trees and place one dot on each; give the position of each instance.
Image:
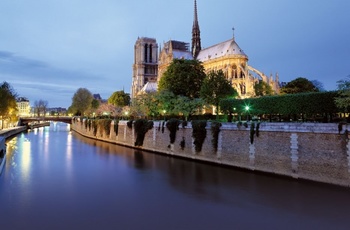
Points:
(84, 103)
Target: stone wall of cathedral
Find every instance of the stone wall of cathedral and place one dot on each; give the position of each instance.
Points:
(145, 67)
(236, 72)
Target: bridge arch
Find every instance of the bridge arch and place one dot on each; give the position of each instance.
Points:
(26, 120)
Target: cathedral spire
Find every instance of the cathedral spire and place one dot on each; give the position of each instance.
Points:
(196, 34)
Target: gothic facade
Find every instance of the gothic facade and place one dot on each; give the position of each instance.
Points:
(145, 67)
(226, 56)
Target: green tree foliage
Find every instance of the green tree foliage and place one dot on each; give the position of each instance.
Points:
(141, 128)
(262, 89)
(216, 87)
(303, 103)
(145, 105)
(343, 100)
(299, 85)
(95, 104)
(199, 133)
(183, 77)
(173, 126)
(119, 98)
(8, 105)
(166, 101)
(187, 106)
(158, 103)
(81, 101)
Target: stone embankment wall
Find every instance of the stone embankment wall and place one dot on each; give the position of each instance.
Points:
(7, 133)
(312, 151)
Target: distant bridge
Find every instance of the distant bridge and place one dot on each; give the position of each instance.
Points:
(27, 120)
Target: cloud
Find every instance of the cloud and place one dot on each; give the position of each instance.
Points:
(39, 80)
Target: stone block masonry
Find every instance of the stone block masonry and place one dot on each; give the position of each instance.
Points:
(311, 151)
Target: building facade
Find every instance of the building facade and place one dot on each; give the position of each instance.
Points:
(226, 56)
(145, 67)
(23, 107)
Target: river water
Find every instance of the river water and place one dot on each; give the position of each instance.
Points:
(56, 179)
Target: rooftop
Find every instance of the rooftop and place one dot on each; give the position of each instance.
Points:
(226, 48)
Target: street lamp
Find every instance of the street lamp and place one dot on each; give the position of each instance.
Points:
(126, 115)
(234, 112)
(164, 111)
(247, 111)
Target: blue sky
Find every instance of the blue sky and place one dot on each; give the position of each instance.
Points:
(50, 48)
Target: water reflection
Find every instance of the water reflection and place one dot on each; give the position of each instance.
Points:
(230, 186)
(139, 160)
(26, 158)
(69, 153)
(79, 183)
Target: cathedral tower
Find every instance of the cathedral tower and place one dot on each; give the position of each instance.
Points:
(145, 67)
(196, 34)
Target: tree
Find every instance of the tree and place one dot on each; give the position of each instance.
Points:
(166, 101)
(343, 101)
(95, 104)
(216, 87)
(145, 104)
(81, 101)
(106, 109)
(262, 89)
(8, 104)
(119, 98)
(319, 85)
(40, 107)
(187, 106)
(299, 85)
(183, 77)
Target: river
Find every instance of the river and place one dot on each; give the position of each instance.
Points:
(57, 179)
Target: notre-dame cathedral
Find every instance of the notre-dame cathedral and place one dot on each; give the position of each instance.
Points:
(150, 64)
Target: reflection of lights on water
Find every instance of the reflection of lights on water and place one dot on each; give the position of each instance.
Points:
(11, 147)
(54, 125)
(69, 146)
(25, 145)
(46, 139)
(69, 152)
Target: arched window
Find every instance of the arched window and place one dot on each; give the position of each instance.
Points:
(146, 52)
(150, 53)
(234, 71)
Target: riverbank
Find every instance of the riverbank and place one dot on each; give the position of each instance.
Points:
(2, 153)
(9, 132)
(311, 151)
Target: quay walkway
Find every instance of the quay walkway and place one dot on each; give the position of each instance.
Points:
(9, 132)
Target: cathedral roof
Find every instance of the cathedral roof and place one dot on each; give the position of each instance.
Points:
(179, 54)
(226, 48)
(149, 87)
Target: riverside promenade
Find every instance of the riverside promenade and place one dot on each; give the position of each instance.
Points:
(9, 132)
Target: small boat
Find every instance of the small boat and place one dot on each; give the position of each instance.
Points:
(2, 153)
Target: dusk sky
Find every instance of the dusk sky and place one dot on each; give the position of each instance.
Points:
(50, 48)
